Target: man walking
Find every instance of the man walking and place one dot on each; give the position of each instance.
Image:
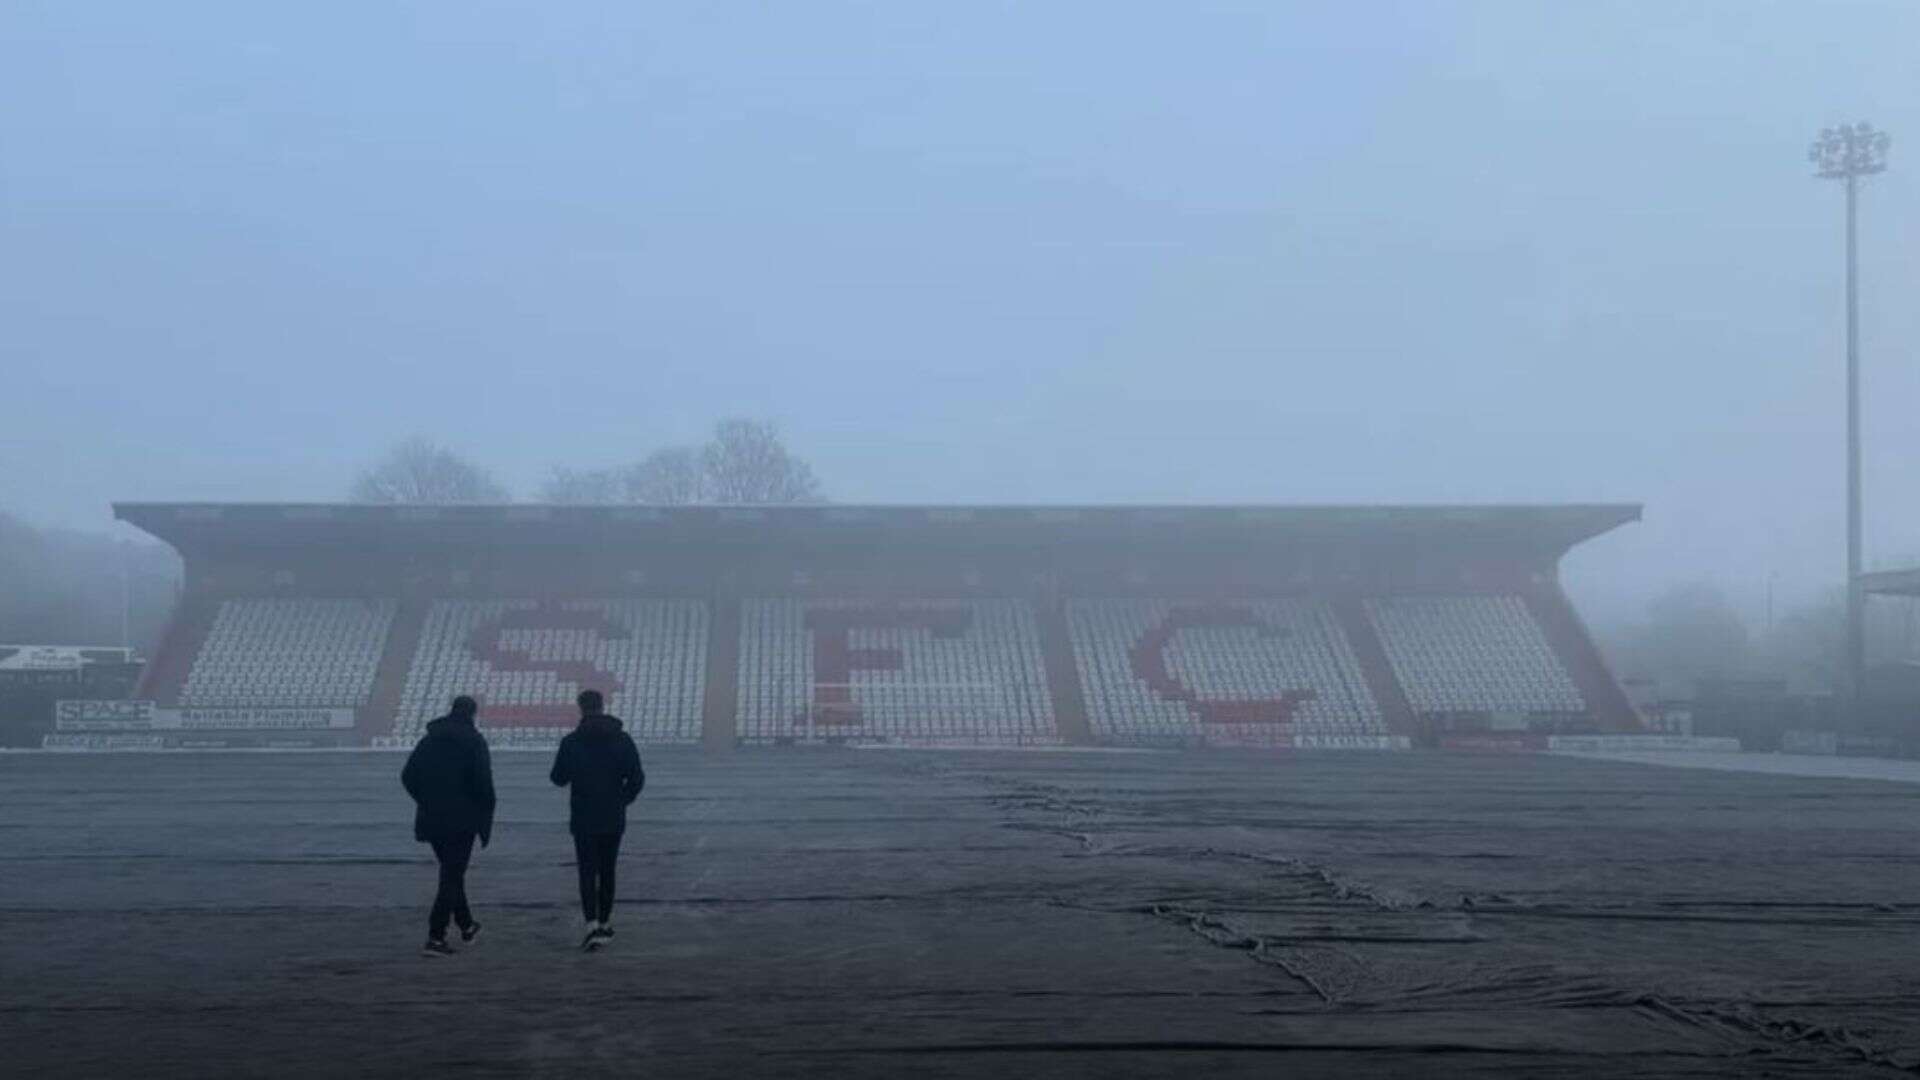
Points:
(450, 776)
(601, 763)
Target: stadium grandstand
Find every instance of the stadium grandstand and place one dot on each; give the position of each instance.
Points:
(1256, 626)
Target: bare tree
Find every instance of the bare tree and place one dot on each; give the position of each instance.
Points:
(420, 470)
(745, 462)
(581, 486)
(671, 476)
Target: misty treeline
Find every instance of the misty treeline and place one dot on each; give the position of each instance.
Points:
(69, 587)
(419, 470)
(65, 587)
(742, 462)
(1693, 633)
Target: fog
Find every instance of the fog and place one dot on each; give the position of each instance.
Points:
(976, 253)
(955, 794)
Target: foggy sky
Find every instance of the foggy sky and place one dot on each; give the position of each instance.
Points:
(973, 252)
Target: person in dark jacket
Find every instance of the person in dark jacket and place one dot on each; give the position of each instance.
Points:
(450, 776)
(600, 762)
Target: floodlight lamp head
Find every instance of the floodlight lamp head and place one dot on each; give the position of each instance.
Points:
(1849, 150)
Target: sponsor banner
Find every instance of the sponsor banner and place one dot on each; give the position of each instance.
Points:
(59, 657)
(1351, 742)
(1508, 743)
(41, 658)
(523, 738)
(1613, 744)
(251, 719)
(207, 742)
(1866, 746)
(102, 742)
(153, 741)
(22, 678)
(103, 716)
(1825, 743)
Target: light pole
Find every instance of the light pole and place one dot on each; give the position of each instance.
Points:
(1849, 153)
(126, 599)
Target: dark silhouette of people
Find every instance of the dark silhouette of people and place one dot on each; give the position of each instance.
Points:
(599, 760)
(450, 776)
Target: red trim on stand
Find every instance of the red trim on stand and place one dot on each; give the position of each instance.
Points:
(835, 659)
(720, 704)
(382, 710)
(1375, 668)
(1063, 674)
(166, 674)
(1609, 705)
(1148, 658)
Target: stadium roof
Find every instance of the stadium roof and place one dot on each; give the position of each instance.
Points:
(1892, 582)
(192, 525)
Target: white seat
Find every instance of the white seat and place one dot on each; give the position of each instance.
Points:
(1481, 654)
(1208, 656)
(969, 672)
(650, 656)
(289, 653)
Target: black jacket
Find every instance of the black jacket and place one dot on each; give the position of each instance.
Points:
(599, 759)
(450, 776)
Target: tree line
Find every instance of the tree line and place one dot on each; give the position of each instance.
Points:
(1693, 634)
(70, 587)
(742, 462)
(66, 587)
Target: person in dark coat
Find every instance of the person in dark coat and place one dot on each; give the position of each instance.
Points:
(602, 765)
(450, 776)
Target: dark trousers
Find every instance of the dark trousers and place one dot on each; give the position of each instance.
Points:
(596, 856)
(454, 854)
